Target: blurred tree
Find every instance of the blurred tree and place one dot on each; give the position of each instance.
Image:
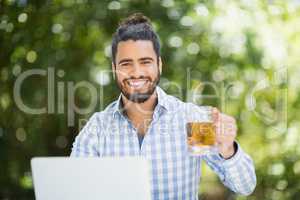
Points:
(249, 50)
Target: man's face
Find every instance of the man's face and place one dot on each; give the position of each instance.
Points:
(137, 70)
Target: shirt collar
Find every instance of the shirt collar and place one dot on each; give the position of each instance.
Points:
(162, 101)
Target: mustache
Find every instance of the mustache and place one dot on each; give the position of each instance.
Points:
(141, 77)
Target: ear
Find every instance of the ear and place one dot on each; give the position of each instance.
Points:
(113, 67)
(160, 65)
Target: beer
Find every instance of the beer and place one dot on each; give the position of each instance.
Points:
(201, 133)
(201, 137)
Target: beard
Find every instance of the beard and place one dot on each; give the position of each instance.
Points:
(139, 97)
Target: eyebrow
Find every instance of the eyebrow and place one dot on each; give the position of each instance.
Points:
(130, 60)
(146, 58)
(124, 60)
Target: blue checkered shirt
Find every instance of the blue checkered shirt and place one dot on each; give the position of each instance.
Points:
(174, 174)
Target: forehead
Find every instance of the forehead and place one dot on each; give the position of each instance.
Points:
(135, 49)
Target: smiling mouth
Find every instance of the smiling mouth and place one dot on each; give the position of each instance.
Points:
(137, 83)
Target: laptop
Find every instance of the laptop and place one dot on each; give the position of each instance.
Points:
(109, 178)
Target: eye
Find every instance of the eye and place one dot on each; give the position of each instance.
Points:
(124, 64)
(146, 62)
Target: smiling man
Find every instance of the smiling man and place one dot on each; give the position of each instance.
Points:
(145, 121)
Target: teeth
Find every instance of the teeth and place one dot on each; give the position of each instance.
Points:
(135, 83)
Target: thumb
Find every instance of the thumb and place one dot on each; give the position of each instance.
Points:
(215, 114)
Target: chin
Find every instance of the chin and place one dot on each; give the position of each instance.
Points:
(138, 95)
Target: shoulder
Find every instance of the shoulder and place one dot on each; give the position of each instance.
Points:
(177, 104)
(102, 117)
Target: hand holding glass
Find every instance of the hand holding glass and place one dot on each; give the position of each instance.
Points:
(201, 135)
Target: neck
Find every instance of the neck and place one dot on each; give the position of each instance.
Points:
(140, 110)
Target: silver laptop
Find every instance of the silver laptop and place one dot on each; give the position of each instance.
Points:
(110, 178)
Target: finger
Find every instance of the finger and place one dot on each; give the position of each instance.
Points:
(229, 126)
(226, 129)
(226, 118)
(226, 123)
(215, 114)
(220, 127)
(225, 139)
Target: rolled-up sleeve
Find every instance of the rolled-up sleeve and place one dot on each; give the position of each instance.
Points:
(237, 172)
(87, 143)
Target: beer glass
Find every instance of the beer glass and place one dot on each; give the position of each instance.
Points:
(201, 134)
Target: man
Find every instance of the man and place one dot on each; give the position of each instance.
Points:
(145, 121)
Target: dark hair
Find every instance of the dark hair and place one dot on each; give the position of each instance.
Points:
(135, 27)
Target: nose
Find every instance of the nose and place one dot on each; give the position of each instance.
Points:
(137, 71)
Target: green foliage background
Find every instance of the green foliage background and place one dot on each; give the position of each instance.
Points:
(243, 44)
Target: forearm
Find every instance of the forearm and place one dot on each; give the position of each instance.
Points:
(237, 172)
